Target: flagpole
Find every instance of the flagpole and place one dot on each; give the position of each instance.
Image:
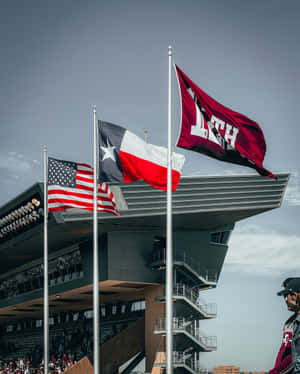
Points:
(46, 291)
(95, 255)
(169, 255)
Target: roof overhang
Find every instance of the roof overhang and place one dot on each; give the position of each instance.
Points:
(199, 203)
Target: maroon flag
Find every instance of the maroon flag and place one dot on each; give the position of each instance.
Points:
(209, 127)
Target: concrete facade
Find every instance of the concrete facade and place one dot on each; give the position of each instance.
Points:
(131, 267)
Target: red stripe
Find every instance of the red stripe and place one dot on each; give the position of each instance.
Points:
(85, 165)
(79, 195)
(104, 187)
(81, 187)
(69, 193)
(84, 179)
(86, 172)
(79, 203)
(135, 168)
(63, 203)
(63, 207)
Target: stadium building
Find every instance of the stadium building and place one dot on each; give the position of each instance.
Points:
(131, 271)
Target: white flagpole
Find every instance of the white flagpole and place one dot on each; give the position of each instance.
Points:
(169, 257)
(46, 291)
(95, 255)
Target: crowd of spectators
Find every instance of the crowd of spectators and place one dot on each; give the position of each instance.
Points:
(73, 344)
(75, 336)
(70, 335)
(60, 269)
(75, 340)
(57, 365)
(66, 348)
(69, 332)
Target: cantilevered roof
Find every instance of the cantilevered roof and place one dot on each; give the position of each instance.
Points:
(199, 203)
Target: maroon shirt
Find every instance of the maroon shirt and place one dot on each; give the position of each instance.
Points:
(284, 357)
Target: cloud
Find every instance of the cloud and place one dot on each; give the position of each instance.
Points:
(292, 195)
(254, 249)
(14, 165)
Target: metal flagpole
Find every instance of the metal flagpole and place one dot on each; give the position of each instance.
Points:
(46, 293)
(169, 257)
(95, 254)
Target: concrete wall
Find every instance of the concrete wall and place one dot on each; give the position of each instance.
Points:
(87, 251)
(197, 245)
(129, 255)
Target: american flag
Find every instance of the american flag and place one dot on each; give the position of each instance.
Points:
(71, 185)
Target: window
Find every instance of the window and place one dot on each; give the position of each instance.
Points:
(38, 323)
(10, 328)
(88, 314)
(75, 316)
(159, 248)
(138, 305)
(221, 237)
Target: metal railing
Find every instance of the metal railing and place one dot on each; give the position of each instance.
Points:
(192, 295)
(180, 359)
(209, 275)
(188, 326)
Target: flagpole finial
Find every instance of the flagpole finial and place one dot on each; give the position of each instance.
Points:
(94, 108)
(170, 51)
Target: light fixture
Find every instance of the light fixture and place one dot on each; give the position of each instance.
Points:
(20, 217)
(36, 202)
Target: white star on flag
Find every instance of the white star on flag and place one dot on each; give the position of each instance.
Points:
(108, 152)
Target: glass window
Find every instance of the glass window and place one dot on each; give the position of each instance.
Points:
(38, 323)
(138, 305)
(215, 237)
(221, 237)
(88, 314)
(9, 328)
(75, 316)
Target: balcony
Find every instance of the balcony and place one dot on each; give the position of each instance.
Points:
(187, 334)
(188, 302)
(203, 277)
(181, 360)
(183, 294)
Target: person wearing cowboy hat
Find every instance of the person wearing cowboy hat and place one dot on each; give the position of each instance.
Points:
(288, 358)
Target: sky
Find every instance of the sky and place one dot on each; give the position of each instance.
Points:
(58, 58)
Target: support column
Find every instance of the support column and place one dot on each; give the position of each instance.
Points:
(155, 310)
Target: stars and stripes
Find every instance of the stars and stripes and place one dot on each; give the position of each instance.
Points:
(71, 185)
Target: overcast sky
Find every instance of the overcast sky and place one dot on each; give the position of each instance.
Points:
(58, 58)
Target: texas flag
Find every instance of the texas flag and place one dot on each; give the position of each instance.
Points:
(124, 157)
(209, 127)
